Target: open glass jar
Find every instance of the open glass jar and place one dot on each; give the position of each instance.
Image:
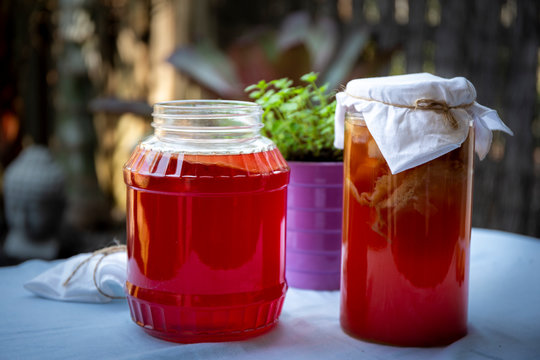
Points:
(406, 243)
(206, 203)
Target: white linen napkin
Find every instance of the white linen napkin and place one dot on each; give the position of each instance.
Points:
(416, 118)
(97, 277)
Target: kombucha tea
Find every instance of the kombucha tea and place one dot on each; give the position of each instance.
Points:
(206, 243)
(405, 244)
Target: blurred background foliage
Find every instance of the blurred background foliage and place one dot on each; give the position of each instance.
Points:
(80, 76)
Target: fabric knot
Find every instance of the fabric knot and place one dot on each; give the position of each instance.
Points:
(439, 107)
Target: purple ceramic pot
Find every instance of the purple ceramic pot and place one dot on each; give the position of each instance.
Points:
(314, 208)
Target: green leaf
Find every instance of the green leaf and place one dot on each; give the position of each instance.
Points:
(310, 77)
(251, 88)
(288, 107)
(255, 94)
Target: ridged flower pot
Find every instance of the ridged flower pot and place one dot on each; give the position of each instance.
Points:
(314, 208)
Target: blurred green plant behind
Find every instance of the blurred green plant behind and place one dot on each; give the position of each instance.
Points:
(80, 76)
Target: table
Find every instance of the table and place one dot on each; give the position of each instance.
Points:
(504, 319)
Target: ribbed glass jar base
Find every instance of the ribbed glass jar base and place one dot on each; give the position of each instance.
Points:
(194, 324)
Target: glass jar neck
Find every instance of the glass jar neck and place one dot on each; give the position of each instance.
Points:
(206, 121)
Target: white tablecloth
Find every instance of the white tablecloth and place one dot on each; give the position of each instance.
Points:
(504, 319)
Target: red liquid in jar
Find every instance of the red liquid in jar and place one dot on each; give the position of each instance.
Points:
(405, 246)
(206, 244)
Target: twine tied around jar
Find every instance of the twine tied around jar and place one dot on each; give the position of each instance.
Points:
(426, 104)
(105, 252)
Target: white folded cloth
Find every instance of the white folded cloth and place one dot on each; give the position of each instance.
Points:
(97, 277)
(416, 118)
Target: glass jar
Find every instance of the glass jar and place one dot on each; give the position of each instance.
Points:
(406, 240)
(206, 205)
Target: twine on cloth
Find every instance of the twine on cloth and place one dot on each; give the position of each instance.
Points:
(426, 104)
(105, 252)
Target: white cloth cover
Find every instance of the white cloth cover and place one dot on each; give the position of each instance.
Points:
(110, 277)
(408, 137)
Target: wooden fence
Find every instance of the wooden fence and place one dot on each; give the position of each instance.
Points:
(495, 44)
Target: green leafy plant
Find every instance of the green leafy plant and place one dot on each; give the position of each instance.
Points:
(299, 119)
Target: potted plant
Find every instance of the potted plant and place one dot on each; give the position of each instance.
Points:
(300, 120)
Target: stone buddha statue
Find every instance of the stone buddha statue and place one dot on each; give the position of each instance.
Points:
(34, 197)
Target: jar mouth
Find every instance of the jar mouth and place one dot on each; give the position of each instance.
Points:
(207, 115)
(208, 108)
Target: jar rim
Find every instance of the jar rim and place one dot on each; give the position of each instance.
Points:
(207, 116)
(190, 108)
